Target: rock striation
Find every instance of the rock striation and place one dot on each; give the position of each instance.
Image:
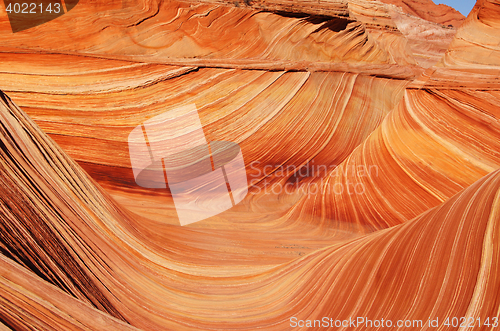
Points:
(371, 150)
(429, 11)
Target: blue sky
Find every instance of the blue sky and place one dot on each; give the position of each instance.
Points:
(463, 6)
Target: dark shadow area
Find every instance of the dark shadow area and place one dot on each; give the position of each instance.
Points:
(335, 24)
(25, 15)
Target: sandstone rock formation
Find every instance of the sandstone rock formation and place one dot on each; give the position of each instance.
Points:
(429, 11)
(428, 41)
(476, 42)
(373, 180)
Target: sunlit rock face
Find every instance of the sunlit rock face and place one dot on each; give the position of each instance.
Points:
(427, 40)
(476, 42)
(429, 11)
(369, 139)
(156, 31)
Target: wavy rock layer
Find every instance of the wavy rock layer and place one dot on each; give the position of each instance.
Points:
(161, 31)
(428, 41)
(429, 11)
(434, 144)
(476, 42)
(442, 137)
(90, 108)
(151, 287)
(373, 185)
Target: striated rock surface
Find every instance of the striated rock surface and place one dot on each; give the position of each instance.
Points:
(373, 182)
(153, 287)
(442, 137)
(163, 32)
(429, 11)
(428, 41)
(476, 42)
(263, 107)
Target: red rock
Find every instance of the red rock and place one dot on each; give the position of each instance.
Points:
(343, 96)
(428, 10)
